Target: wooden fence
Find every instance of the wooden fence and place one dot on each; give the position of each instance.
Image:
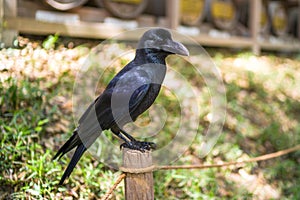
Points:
(19, 16)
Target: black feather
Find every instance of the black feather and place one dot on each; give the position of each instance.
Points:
(77, 155)
(73, 141)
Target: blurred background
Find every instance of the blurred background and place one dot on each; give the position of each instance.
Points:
(255, 45)
(258, 24)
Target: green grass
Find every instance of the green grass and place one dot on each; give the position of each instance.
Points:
(25, 161)
(262, 117)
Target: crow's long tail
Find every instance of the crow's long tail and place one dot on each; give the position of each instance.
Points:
(77, 155)
(73, 142)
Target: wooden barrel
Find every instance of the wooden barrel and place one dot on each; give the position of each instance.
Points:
(97, 3)
(293, 22)
(192, 12)
(222, 13)
(264, 18)
(156, 8)
(244, 15)
(65, 4)
(278, 17)
(126, 9)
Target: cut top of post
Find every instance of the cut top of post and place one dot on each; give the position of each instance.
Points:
(135, 161)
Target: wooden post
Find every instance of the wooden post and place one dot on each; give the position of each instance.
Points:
(1, 22)
(173, 15)
(255, 12)
(9, 10)
(139, 176)
(298, 19)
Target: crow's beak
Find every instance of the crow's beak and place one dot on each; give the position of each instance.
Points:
(176, 48)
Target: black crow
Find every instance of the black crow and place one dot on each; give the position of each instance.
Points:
(131, 92)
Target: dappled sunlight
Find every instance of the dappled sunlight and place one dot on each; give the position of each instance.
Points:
(253, 63)
(254, 184)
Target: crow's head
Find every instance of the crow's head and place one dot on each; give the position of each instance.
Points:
(161, 39)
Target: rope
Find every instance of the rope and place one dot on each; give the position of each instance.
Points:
(255, 159)
(110, 191)
(138, 170)
(168, 167)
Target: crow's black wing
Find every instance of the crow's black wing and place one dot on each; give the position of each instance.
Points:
(87, 111)
(126, 95)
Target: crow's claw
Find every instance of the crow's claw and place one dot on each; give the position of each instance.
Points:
(138, 145)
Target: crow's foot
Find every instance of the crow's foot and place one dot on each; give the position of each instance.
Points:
(138, 145)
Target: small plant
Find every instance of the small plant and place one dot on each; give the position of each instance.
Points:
(50, 42)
